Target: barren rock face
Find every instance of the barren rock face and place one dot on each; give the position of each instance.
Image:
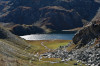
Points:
(87, 33)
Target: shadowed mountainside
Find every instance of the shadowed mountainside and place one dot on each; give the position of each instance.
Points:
(25, 29)
(53, 14)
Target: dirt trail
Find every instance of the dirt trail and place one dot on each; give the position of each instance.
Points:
(45, 46)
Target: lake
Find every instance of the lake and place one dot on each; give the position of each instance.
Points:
(48, 37)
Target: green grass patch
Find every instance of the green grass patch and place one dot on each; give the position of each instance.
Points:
(51, 59)
(55, 44)
(43, 63)
(51, 44)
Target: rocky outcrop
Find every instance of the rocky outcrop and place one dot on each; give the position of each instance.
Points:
(86, 55)
(87, 33)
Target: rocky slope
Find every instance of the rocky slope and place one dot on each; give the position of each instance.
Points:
(85, 47)
(13, 49)
(87, 33)
(53, 14)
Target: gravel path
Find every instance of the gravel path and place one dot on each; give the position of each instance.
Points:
(45, 46)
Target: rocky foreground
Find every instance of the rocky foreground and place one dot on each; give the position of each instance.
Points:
(85, 50)
(88, 56)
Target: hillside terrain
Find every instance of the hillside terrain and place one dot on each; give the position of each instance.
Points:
(26, 29)
(85, 46)
(13, 50)
(22, 17)
(49, 14)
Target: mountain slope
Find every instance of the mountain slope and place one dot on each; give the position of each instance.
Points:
(87, 33)
(84, 48)
(49, 13)
(87, 42)
(26, 30)
(13, 49)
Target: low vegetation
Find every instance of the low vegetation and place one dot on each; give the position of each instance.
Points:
(51, 44)
(43, 63)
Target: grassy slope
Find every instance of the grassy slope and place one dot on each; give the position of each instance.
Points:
(13, 46)
(13, 50)
(8, 61)
(70, 63)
